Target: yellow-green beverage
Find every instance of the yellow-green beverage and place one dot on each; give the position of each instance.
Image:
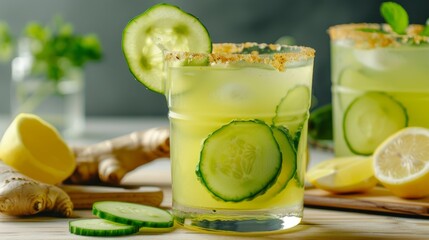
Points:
(380, 84)
(238, 135)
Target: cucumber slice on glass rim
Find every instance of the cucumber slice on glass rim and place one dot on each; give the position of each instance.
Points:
(239, 161)
(100, 227)
(161, 27)
(370, 119)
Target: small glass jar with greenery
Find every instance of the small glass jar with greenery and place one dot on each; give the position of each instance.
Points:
(47, 72)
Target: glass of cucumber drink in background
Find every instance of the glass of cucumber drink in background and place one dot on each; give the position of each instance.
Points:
(380, 80)
(238, 117)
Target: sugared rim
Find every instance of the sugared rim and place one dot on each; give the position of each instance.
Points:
(271, 54)
(372, 39)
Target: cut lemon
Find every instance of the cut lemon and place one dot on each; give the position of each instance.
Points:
(36, 149)
(161, 27)
(401, 163)
(343, 175)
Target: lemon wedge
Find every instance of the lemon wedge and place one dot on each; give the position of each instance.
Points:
(35, 148)
(343, 174)
(401, 163)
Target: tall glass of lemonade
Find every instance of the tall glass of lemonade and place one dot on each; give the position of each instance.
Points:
(380, 84)
(238, 118)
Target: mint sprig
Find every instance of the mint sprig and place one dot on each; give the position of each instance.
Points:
(396, 16)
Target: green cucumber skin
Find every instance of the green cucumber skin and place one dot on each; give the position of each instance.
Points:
(247, 198)
(101, 232)
(346, 139)
(301, 153)
(132, 222)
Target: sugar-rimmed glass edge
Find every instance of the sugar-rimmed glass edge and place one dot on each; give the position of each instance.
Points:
(276, 55)
(382, 36)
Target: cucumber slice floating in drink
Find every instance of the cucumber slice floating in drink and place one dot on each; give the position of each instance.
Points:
(100, 227)
(239, 161)
(292, 110)
(289, 163)
(370, 119)
(133, 214)
(161, 27)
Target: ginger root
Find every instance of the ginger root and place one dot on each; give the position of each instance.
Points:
(107, 162)
(22, 196)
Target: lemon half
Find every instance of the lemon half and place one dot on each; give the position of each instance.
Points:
(343, 175)
(35, 148)
(401, 163)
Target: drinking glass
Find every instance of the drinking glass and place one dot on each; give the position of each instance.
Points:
(238, 120)
(380, 84)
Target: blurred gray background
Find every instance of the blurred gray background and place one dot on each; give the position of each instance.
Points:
(111, 89)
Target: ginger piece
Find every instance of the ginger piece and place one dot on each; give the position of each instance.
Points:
(107, 162)
(22, 196)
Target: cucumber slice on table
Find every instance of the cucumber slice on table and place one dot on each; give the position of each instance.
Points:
(292, 110)
(239, 161)
(161, 27)
(100, 227)
(370, 119)
(133, 214)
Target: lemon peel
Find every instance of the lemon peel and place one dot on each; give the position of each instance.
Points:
(36, 149)
(343, 175)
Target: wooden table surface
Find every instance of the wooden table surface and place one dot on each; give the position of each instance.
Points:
(317, 223)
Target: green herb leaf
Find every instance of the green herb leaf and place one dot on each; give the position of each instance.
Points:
(396, 16)
(36, 31)
(6, 42)
(425, 31)
(57, 49)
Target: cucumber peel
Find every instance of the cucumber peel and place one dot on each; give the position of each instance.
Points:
(100, 227)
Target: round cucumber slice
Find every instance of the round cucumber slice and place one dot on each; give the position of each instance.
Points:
(100, 227)
(353, 81)
(370, 119)
(289, 164)
(292, 110)
(239, 161)
(161, 27)
(133, 214)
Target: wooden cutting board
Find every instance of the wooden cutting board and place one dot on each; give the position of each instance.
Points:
(377, 200)
(84, 196)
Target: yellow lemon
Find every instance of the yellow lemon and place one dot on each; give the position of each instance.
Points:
(401, 163)
(343, 174)
(36, 149)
